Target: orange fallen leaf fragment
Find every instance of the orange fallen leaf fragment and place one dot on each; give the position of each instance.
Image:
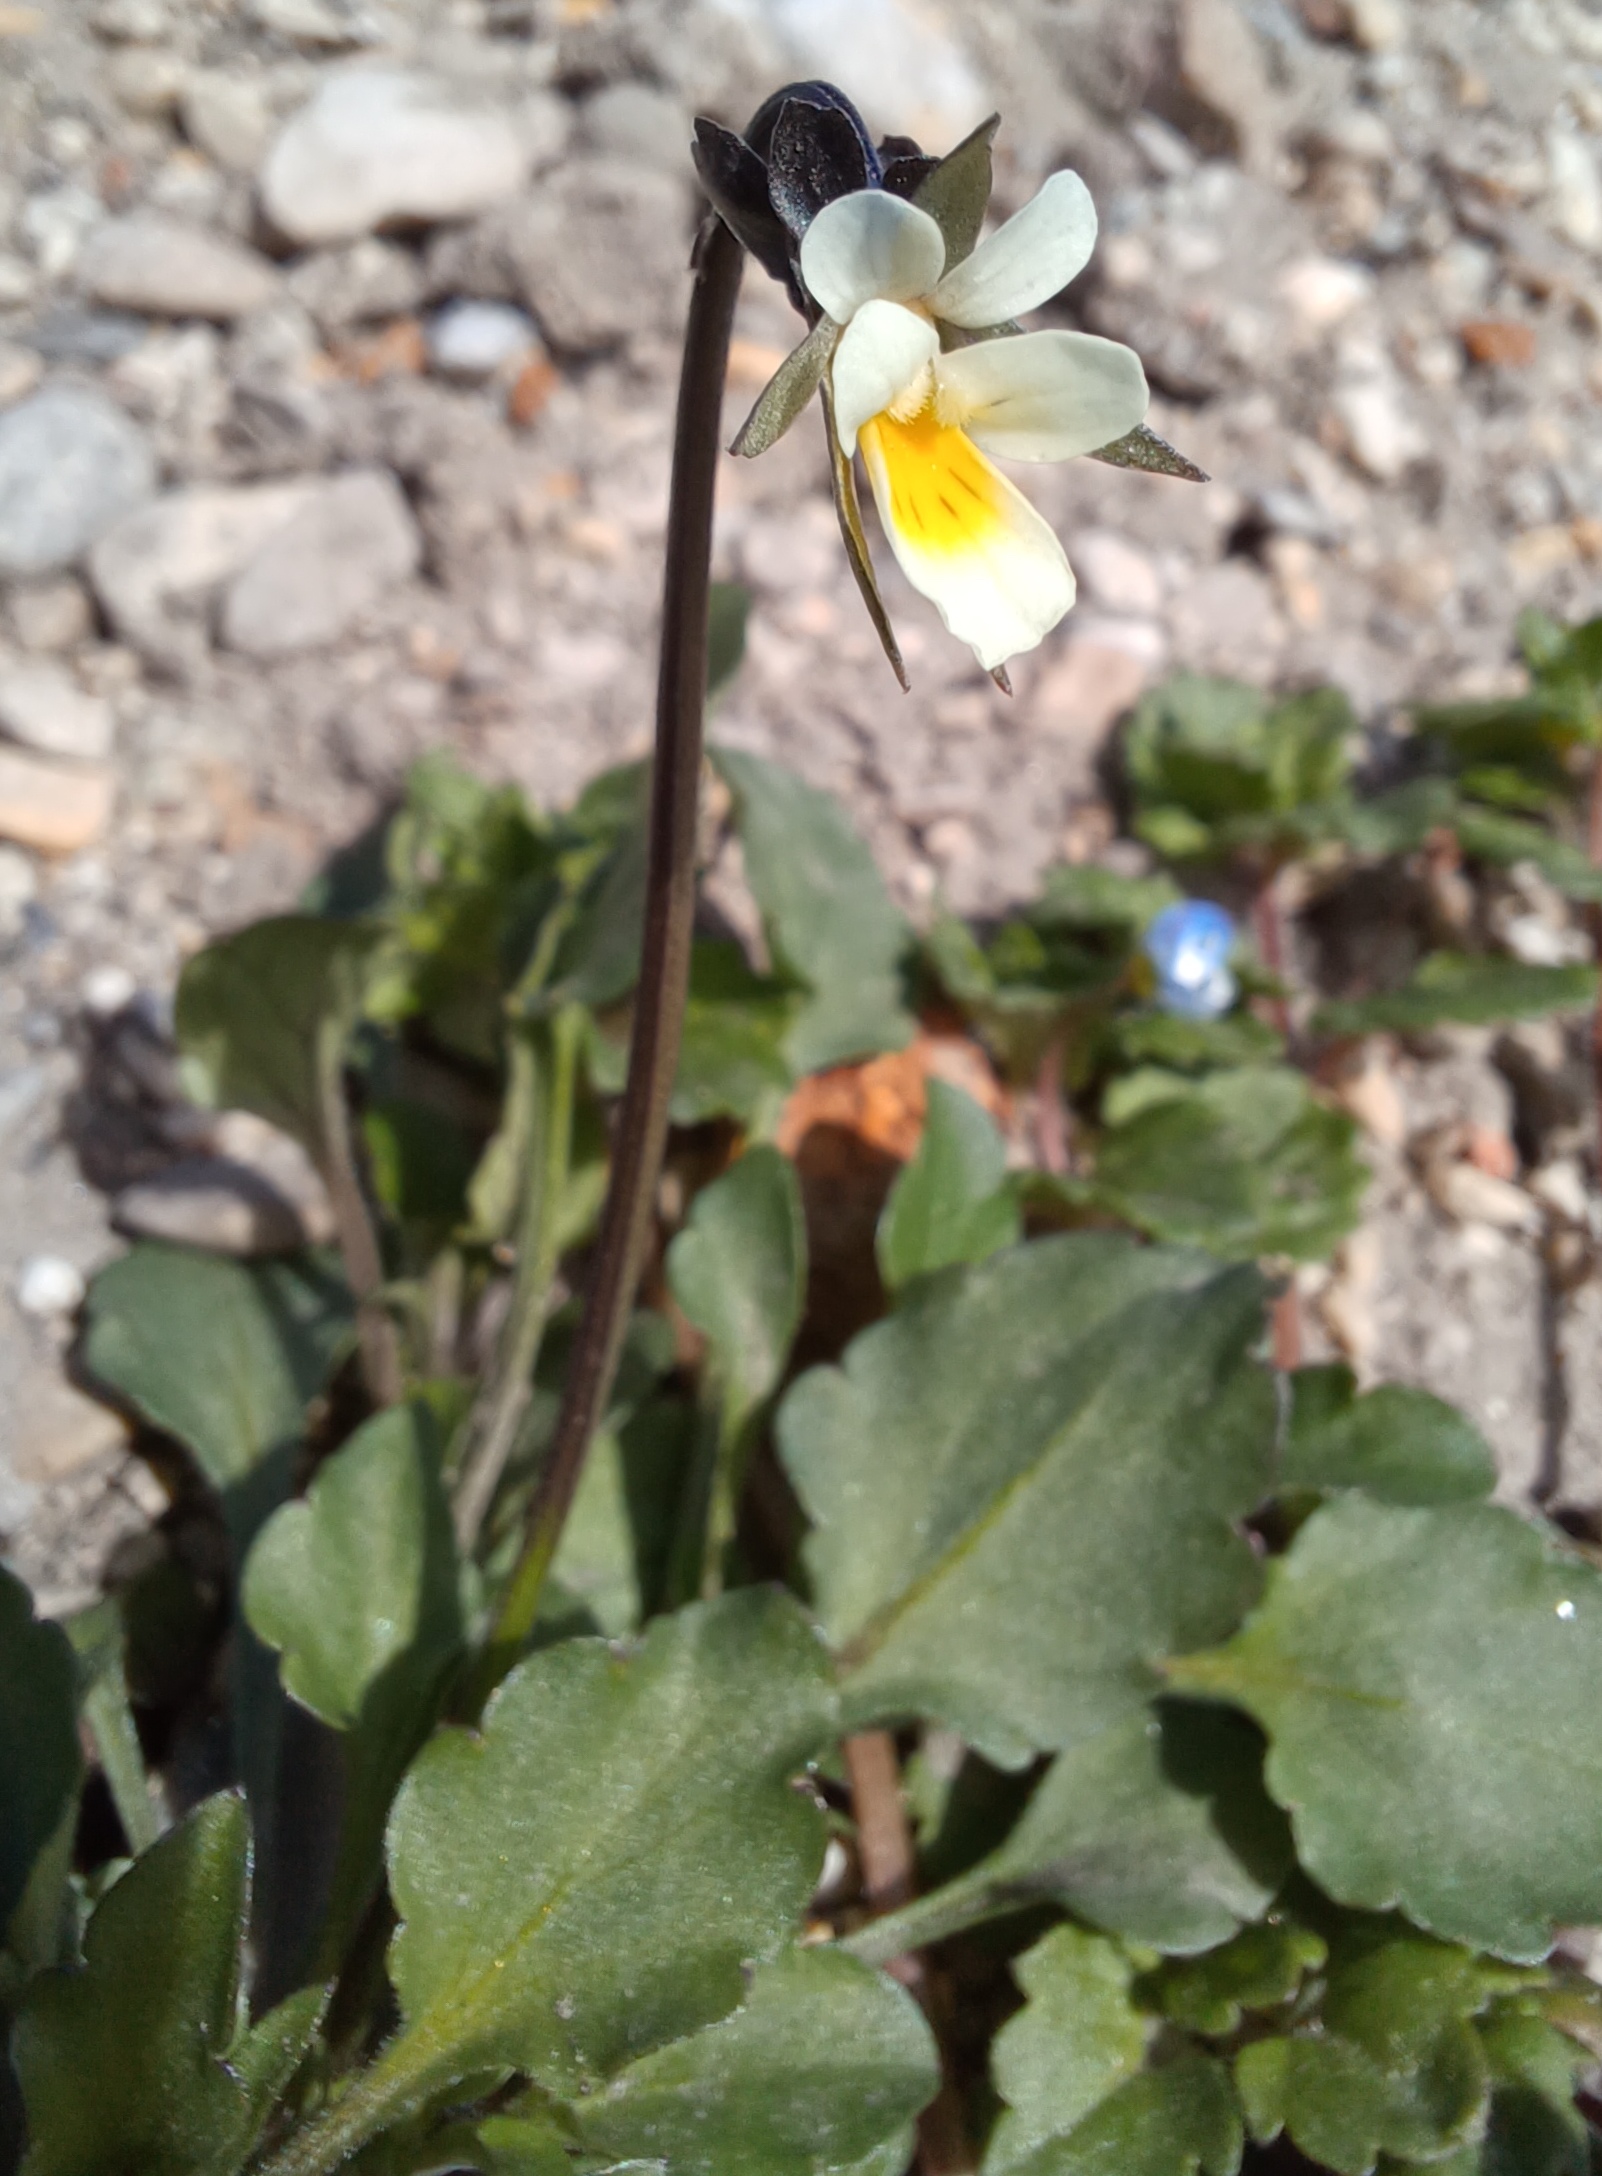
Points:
(885, 1100)
(1500, 343)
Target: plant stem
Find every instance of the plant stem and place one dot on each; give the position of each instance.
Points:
(1268, 928)
(353, 1225)
(503, 1400)
(1593, 842)
(669, 914)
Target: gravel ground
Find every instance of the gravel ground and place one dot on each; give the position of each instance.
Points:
(336, 369)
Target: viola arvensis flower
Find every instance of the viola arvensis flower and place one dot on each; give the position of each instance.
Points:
(917, 353)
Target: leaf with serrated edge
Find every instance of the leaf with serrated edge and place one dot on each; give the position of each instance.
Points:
(788, 391)
(39, 1758)
(1048, 1510)
(1157, 1829)
(1261, 1969)
(1182, 2120)
(124, 2062)
(738, 1269)
(1397, 1444)
(952, 1203)
(1141, 448)
(1425, 1680)
(826, 2061)
(1078, 2037)
(582, 1879)
(957, 194)
(1450, 987)
(829, 918)
(855, 538)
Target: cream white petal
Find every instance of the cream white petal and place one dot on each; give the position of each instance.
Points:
(1043, 396)
(967, 538)
(882, 353)
(869, 246)
(1024, 263)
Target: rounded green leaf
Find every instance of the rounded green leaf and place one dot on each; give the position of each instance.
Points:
(738, 1270)
(952, 1203)
(1182, 2120)
(1023, 1487)
(1078, 2037)
(1394, 1443)
(1427, 1681)
(825, 2061)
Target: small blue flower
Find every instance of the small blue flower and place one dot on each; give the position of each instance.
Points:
(1189, 945)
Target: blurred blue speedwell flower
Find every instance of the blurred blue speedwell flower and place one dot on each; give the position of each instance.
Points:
(1189, 945)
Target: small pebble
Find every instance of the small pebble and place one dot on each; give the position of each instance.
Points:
(106, 990)
(478, 339)
(49, 1285)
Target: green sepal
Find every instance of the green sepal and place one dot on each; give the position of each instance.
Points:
(957, 194)
(1141, 448)
(788, 391)
(855, 538)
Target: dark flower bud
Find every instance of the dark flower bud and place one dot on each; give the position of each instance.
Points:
(806, 146)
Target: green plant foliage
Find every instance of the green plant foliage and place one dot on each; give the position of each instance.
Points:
(261, 1017)
(729, 611)
(39, 1758)
(825, 2061)
(1535, 2128)
(97, 1641)
(952, 1203)
(1077, 2039)
(355, 1586)
(1157, 1829)
(1181, 2120)
(738, 1269)
(829, 920)
(957, 194)
(563, 1926)
(1394, 1443)
(1450, 986)
(224, 1355)
(1262, 1968)
(137, 2060)
(1046, 1512)
(1422, 1676)
(1243, 1162)
(1216, 767)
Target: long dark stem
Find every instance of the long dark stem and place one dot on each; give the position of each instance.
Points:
(669, 911)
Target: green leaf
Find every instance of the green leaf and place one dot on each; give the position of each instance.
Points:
(848, 512)
(1158, 1830)
(616, 1545)
(829, 919)
(1076, 2040)
(355, 1586)
(1243, 1162)
(256, 1011)
(1045, 1511)
(1216, 766)
(96, 1634)
(1450, 986)
(825, 2061)
(1331, 2097)
(788, 391)
(1081, 895)
(124, 2063)
(224, 1355)
(732, 1061)
(952, 1203)
(738, 1269)
(1260, 1969)
(1398, 1445)
(1535, 2128)
(582, 1879)
(1182, 2120)
(1141, 448)
(39, 1758)
(1193, 1046)
(1489, 835)
(1425, 1680)
(957, 194)
(728, 610)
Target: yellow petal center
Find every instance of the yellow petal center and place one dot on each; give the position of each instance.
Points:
(944, 495)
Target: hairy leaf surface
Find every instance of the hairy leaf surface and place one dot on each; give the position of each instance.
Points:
(952, 1203)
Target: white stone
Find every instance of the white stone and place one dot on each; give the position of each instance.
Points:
(43, 708)
(1379, 26)
(106, 990)
(210, 1203)
(476, 339)
(598, 253)
(147, 81)
(342, 552)
(227, 117)
(1575, 202)
(900, 60)
(55, 224)
(132, 22)
(1381, 436)
(1116, 574)
(153, 569)
(1323, 290)
(637, 121)
(1472, 1196)
(1560, 1186)
(71, 464)
(167, 268)
(309, 22)
(49, 1285)
(377, 145)
(55, 808)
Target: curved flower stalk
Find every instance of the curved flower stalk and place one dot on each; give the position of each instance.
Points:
(920, 362)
